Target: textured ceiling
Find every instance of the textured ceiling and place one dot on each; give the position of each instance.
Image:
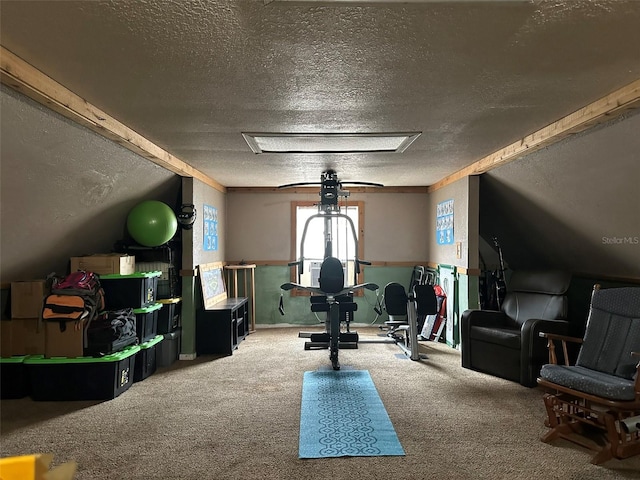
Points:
(191, 76)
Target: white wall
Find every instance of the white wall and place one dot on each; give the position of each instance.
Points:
(464, 193)
(259, 226)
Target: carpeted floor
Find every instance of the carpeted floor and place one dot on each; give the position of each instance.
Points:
(237, 417)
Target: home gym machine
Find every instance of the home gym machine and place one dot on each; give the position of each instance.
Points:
(405, 310)
(335, 299)
(331, 295)
(421, 301)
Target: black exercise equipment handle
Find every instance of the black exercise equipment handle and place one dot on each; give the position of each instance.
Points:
(361, 262)
(297, 263)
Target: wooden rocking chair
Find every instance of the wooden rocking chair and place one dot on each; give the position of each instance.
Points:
(596, 402)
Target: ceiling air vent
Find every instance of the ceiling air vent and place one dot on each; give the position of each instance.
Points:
(329, 142)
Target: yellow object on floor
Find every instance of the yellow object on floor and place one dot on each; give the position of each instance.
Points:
(35, 467)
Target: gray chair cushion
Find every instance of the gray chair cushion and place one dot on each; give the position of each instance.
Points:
(590, 381)
(612, 333)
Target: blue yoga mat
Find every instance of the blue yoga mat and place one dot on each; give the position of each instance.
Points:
(342, 415)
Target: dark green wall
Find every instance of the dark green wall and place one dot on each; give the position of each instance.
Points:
(297, 309)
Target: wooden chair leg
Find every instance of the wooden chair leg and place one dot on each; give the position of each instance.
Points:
(554, 422)
(559, 431)
(591, 426)
(622, 445)
(613, 436)
(552, 417)
(603, 455)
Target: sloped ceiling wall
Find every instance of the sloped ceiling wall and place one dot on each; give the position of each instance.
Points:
(65, 191)
(574, 205)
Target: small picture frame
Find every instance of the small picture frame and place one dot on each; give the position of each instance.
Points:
(212, 281)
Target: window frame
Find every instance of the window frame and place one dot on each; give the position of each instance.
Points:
(294, 246)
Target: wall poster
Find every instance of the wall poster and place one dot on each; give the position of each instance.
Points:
(210, 219)
(444, 223)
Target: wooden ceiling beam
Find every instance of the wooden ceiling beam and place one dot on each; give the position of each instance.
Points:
(600, 111)
(26, 79)
(310, 189)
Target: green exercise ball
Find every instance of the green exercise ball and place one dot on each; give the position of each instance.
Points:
(152, 223)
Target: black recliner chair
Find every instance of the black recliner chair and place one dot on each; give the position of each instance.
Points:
(507, 343)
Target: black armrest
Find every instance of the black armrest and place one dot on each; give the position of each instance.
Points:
(470, 318)
(535, 328)
(534, 352)
(484, 318)
(532, 338)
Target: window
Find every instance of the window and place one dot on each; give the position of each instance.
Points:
(326, 235)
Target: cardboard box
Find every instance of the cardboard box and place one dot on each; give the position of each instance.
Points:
(26, 298)
(68, 343)
(105, 264)
(27, 336)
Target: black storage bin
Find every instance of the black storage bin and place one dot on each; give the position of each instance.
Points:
(97, 350)
(137, 290)
(13, 377)
(146, 359)
(168, 351)
(147, 322)
(169, 314)
(81, 378)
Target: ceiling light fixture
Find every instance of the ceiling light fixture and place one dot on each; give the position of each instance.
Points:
(329, 142)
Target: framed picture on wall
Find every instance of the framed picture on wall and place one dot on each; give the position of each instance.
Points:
(212, 283)
(444, 223)
(210, 228)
